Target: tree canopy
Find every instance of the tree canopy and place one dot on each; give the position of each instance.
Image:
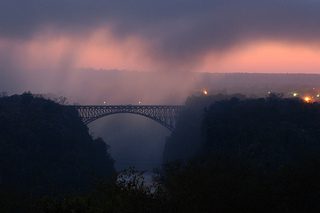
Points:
(250, 155)
(45, 149)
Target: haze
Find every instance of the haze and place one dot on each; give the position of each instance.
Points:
(156, 52)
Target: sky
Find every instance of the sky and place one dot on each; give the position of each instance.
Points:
(125, 51)
(274, 36)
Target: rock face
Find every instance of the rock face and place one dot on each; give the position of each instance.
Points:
(273, 128)
(187, 140)
(250, 155)
(46, 149)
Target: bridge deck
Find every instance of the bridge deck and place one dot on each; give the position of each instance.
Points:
(166, 115)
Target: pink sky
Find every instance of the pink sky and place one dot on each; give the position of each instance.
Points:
(102, 50)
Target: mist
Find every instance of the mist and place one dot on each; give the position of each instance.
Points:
(135, 140)
(232, 90)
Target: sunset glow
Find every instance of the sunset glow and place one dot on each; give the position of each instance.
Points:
(102, 50)
(266, 57)
(97, 95)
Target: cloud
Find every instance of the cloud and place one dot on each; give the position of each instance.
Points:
(175, 30)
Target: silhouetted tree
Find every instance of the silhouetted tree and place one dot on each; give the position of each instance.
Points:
(238, 155)
(256, 155)
(45, 149)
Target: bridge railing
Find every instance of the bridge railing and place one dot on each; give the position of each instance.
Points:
(166, 115)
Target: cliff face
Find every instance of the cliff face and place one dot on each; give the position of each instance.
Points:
(269, 128)
(44, 147)
(187, 140)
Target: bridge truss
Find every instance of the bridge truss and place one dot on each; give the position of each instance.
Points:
(166, 115)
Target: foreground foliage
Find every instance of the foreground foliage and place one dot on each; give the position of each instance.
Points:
(248, 155)
(45, 150)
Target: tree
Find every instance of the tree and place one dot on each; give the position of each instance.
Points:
(45, 149)
(256, 155)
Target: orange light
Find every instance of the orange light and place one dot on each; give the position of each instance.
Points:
(307, 99)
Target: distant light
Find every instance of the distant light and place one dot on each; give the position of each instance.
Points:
(318, 96)
(205, 92)
(295, 94)
(307, 99)
(140, 102)
(269, 92)
(104, 102)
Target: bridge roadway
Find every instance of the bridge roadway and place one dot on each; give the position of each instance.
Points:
(166, 115)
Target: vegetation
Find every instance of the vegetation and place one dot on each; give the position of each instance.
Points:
(188, 138)
(45, 149)
(256, 155)
(235, 154)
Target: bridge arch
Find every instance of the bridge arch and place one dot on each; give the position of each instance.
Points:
(166, 115)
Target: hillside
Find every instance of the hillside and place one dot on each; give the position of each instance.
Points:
(45, 149)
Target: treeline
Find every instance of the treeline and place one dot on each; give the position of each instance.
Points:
(248, 155)
(227, 154)
(46, 150)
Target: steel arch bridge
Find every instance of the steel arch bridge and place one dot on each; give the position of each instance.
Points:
(166, 115)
